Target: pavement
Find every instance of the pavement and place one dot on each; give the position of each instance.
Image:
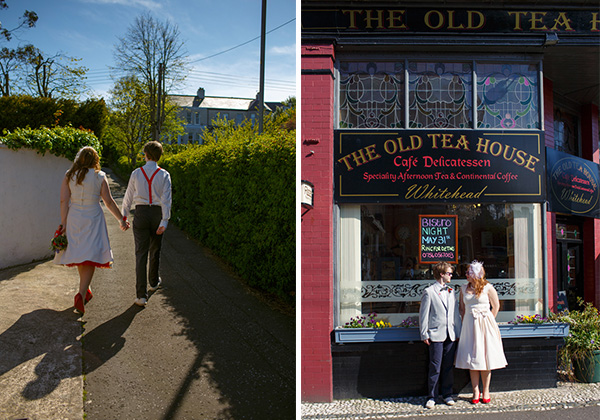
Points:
(205, 347)
(566, 398)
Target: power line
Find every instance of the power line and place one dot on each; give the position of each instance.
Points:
(241, 45)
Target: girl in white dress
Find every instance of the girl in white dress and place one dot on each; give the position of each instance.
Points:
(83, 221)
(480, 345)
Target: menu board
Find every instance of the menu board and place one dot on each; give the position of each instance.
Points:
(438, 238)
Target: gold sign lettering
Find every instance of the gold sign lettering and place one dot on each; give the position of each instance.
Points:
(562, 20)
(439, 17)
(396, 15)
(378, 20)
(471, 20)
(594, 22)
(360, 157)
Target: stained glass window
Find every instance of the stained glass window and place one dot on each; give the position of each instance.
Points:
(371, 95)
(440, 95)
(565, 132)
(507, 96)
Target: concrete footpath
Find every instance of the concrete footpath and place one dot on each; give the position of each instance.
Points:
(205, 346)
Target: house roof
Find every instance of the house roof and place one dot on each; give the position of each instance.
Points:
(212, 102)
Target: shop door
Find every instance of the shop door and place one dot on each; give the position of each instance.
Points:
(570, 271)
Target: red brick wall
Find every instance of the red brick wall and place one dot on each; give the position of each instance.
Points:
(591, 227)
(316, 153)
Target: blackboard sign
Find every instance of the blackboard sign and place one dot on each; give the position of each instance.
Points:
(437, 238)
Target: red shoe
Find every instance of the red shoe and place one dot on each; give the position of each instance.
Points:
(79, 304)
(475, 401)
(483, 400)
(88, 296)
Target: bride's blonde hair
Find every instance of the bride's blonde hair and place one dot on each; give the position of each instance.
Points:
(477, 274)
(87, 158)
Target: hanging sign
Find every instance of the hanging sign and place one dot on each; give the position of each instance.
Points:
(573, 184)
(437, 239)
(433, 166)
(307, 199)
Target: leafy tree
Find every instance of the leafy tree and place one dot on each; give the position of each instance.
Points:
(55, 76)
(149, 48)
(27, 20)
(11, 61)
(286, 116)
(129, 120)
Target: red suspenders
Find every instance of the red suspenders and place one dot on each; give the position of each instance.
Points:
(150, 182)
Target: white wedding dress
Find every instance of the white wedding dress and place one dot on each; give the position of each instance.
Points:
(480, 344)
(87, 234)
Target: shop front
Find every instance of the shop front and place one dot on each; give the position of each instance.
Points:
(433, 134)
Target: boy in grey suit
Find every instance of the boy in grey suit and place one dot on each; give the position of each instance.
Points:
(440, 327)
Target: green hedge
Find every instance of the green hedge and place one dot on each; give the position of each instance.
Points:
(27, 111)
(59, 141)
(237, 196)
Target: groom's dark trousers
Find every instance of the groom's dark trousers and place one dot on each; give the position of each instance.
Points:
(147, 244)
(441, 354)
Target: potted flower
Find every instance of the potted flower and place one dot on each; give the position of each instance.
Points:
(369, 329)
(582, 346)
(533, 326)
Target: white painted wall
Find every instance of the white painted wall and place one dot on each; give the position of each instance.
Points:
(29, 204)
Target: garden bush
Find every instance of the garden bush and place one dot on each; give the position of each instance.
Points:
(236, 195)
(27, 111)
(59, 141)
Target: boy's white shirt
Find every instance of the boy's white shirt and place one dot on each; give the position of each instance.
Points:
(138, 193)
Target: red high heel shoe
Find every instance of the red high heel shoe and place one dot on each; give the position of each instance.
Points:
(79, 303)
(88, 296)
(486, 401)
(475, 401)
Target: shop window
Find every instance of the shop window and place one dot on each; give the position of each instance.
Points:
(371, 95)
(440, 95)
(380, 269)
(507, 96)
(566, 132)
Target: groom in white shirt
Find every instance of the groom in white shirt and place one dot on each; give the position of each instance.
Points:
(149, 189)
(439, 325)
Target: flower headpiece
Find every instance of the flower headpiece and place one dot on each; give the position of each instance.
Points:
(476, 269)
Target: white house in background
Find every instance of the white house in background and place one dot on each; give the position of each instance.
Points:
(200, 111)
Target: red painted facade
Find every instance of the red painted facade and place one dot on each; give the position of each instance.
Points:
(316, 153)
(317, 243)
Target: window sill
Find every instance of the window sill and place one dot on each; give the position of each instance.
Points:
(398, 334)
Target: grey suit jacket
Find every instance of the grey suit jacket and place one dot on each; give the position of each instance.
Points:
(436, 320)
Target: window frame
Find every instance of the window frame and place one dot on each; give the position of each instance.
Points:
(534, 59)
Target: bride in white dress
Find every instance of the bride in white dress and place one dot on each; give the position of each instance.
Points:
(83, 221)
(480, 345)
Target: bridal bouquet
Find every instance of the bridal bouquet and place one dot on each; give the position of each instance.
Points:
(59, 242)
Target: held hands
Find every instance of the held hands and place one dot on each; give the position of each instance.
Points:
(124, 225)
